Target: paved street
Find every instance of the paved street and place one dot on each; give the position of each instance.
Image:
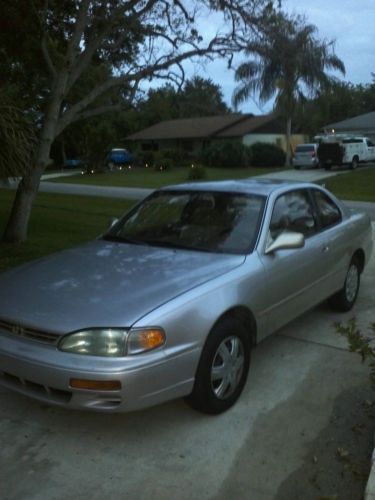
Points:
(255, 451)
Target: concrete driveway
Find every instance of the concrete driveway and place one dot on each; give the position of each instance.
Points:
(254, 451)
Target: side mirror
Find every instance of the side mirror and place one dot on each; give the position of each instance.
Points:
(285, 241)
(112, 222)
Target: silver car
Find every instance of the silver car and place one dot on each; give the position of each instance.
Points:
(306, 155)
(171, 300)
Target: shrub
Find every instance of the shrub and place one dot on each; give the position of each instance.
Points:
(177, 156)
(227, 154)
(161, 162)
(196, 173)
(267, 155)
(146, 158)
(359, 343)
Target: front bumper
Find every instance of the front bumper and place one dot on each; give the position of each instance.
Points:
(44, 373)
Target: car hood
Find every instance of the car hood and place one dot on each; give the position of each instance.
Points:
(103, 284)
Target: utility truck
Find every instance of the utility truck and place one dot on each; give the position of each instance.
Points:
(340, 149)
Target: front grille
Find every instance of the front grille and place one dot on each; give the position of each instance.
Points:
(29, 333)
(31, 388)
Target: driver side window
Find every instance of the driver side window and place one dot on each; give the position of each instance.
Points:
(293, 212)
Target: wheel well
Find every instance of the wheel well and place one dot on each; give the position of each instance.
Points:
(245, 316)
(359, 256)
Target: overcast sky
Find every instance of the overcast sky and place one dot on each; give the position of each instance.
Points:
(350, 22)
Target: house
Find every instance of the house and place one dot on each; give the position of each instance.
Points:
(194, 134)
(358, 125)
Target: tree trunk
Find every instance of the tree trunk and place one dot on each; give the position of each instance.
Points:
(16, 228)
(288, 142)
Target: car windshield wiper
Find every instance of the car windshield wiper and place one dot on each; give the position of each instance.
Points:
(174, 244)
(121, 239)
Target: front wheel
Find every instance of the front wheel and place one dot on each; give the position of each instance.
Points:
(345, 298)
(222, 369)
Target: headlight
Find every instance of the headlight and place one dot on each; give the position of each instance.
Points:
(113, 342)
(105, 342)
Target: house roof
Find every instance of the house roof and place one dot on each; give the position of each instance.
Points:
(260, 124)
(358, 123)
(231, 125)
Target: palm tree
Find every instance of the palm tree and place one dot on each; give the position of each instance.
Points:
(288, 62)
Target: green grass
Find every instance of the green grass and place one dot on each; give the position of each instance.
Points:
(57, 222)
(149, 178)
(358, 185)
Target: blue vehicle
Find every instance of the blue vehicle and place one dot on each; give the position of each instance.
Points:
(118, 157)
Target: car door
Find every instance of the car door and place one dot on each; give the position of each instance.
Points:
(336, 236)
(296, 278)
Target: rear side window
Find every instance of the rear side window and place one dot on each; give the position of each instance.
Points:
(305, 148)
(329, 213)
(293, 211)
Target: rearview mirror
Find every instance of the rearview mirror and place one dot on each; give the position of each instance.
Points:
(285, 241)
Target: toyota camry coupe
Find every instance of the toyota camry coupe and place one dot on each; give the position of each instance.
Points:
(171, 300)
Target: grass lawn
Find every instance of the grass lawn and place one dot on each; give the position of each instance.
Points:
(149, 178)
(57, 222)
(358, 185)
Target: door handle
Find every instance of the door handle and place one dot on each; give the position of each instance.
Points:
(325, 249)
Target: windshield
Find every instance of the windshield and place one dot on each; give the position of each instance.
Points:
(305, 148)
(194, 220)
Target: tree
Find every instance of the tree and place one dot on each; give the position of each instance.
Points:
(197, 97)
(137, 40)
(288, 62)
(17, 139)
(201, 97)
(339, 101)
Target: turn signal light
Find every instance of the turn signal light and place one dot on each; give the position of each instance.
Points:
(95, 385)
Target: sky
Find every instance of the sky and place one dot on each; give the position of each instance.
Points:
(351, 23)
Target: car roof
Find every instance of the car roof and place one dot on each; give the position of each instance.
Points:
(259, 186)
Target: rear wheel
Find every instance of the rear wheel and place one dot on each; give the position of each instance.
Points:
(345, 298)
(222, 369)
(327, 166)
(354, 163)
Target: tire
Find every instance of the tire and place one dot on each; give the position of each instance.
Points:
(327, 166)
(297, 167)
(222, 369)
(345, 298)
(354, 163)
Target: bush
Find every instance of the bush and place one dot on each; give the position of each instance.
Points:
(177, 156)
(227, 154)
(196, 173)
(146, 158)
(161, 162)
(267, 155)
(359, 343)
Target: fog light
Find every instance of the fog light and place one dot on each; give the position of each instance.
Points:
(95, 385)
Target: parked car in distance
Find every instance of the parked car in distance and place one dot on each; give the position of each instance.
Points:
(170, 301)
(117, 158)
(306, 155)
